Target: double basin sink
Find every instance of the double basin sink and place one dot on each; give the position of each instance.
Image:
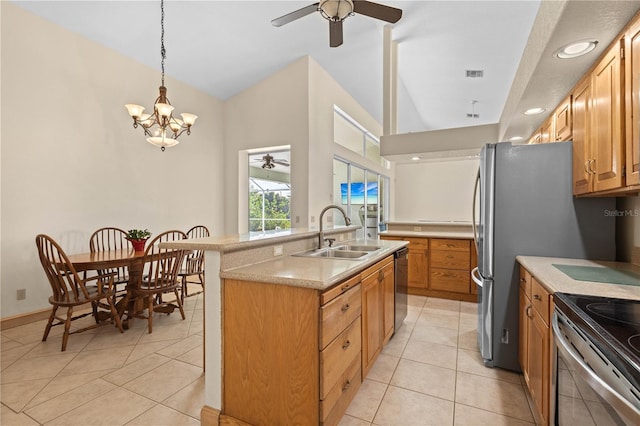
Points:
(347, 251)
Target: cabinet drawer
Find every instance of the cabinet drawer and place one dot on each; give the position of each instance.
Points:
(540, 299)
(418, 243)
(336, 315)
(449, 244)
(450, 259)
(332, 293)
(335, 359)
(525, 282)
(449, 280)
(338, 398)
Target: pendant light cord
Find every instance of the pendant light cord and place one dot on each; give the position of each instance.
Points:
(163, 52)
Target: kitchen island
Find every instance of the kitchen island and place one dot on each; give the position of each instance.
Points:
(289, 338)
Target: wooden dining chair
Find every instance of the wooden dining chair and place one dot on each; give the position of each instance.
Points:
(108, 239)
(193, 267)
(70, 290)
(160, 276)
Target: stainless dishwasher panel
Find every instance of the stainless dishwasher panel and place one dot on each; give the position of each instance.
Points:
(401, 285)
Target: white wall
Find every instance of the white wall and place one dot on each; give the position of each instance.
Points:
(71, 160)
(273, 112)
(435, 191)
(325, 92)
(291, 107)
(628, 229)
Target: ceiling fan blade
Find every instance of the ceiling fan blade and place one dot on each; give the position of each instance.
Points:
(289, 17)
(378, 11)
(335, 33)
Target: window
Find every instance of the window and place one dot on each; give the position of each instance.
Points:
(353, 136)
(269, 192)
(364, 195)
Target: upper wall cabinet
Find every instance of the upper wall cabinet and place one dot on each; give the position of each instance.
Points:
(607, 120)
(581, 106)
(562, 118)
(632, 105)
(598, 137)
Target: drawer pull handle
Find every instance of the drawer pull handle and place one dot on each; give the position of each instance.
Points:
(346, 386)
(449, 257)
(522, 280)
(345, 308)
(529, 311)
(537, 297)
(346, 344)
(345, 287)
(380, 276)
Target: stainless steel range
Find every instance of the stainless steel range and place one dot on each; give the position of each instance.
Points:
(596, 376)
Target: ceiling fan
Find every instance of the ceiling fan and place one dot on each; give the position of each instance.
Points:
(270, 162)
(336, 11)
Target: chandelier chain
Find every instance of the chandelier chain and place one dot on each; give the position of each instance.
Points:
(163, 52)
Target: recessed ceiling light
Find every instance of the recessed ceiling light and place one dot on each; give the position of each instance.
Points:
(534, 111)
(516, 138)
(575, 49)
(415, 158)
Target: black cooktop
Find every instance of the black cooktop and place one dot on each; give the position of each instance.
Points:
(613, 325)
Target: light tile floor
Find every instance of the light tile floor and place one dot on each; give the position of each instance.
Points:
(104, 377)
(429, 373)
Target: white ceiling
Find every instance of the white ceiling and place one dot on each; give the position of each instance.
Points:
(224, 47)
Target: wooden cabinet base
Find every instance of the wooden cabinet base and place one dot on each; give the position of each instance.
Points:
(443, 294)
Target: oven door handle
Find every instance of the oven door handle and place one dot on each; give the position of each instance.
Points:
(619, 402)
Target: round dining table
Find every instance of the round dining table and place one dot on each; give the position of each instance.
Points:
(101, 260)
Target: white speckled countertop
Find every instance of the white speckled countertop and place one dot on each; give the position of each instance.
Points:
(429, 229)
(556, 281)
(310, 272)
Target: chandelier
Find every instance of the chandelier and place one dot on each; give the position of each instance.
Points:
(161, 128)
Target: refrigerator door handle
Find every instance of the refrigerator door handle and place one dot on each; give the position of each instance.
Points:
(473, 212)
(475, 276)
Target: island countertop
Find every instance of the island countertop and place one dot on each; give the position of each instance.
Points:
(310, 272)
(555, 280)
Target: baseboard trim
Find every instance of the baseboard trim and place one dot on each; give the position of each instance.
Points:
(22, 319)
(635, 255)
(209, 416)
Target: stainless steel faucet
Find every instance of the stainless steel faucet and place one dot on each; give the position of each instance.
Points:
(347, 221)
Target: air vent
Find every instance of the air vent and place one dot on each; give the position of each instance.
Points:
(475, 73)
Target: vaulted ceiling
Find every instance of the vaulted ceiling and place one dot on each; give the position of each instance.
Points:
(224, 47)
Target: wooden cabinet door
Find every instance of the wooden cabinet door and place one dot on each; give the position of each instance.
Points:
(538, 368)
(389, 302)
(562, 120)
(523, 346)
(372, 312)
(606, 125)
(418, 263)
(632, 88)
(582, 137)
(547, 132)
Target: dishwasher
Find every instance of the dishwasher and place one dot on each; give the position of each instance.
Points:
(401, 259)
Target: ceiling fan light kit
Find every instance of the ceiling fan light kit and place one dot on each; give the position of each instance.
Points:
(336, 11)
(161, 127)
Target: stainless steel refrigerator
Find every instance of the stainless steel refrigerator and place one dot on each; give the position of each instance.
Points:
(526, 207)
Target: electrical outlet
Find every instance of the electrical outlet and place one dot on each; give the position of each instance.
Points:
(417, 228)
(21, 294)
(278, 250)
(313, 219)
